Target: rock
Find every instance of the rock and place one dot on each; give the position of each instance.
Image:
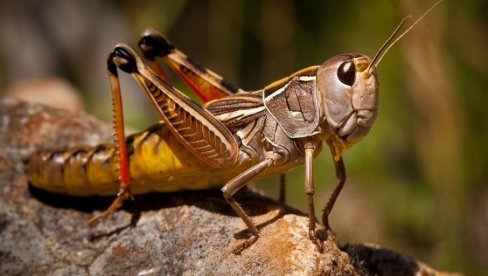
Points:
(49, 90)
(184, 233)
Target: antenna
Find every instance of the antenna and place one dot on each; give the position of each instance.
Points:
(389, 43)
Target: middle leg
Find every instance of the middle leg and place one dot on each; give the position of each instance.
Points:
(234, 185)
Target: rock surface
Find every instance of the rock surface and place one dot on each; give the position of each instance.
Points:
(185, 233)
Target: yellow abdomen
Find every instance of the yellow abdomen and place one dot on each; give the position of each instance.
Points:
(158, 162)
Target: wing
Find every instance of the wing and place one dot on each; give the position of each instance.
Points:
(195, 127)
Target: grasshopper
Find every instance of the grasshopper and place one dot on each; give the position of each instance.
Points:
(234, 137)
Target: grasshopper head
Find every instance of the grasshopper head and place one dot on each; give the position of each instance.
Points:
(348, 87)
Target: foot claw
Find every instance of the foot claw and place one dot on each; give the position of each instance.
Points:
(239, 248)
(315, 239)
(331, 235)
(123, 195)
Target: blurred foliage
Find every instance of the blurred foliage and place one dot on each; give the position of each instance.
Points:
(417, 183)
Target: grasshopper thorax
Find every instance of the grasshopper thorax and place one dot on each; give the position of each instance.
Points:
(348, 89)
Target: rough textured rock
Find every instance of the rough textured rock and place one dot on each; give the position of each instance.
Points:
(158, 234)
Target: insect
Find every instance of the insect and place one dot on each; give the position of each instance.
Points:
(236, 136)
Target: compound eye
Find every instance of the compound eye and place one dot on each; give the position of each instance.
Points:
(347, 73)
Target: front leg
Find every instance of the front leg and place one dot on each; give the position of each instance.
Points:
(341, 175)
(310, 148)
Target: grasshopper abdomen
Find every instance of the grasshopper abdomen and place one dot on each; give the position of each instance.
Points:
(157, 163)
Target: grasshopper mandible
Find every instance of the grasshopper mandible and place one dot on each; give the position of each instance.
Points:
(236, 136)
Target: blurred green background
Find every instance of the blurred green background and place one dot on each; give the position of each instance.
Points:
(416, 184)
